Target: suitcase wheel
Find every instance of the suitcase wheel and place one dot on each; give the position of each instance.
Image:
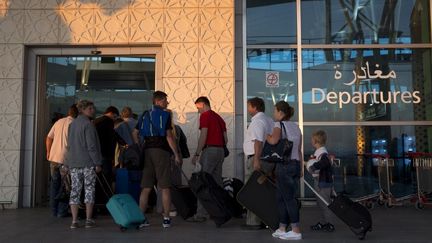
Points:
(123, 229)
(381, 202)
(419, 205)
(388, 205)
(361, 236)
(369, 205)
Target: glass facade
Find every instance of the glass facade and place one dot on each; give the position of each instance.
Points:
(118, 81)
(365, 22)
(362, 73)
(366, 84)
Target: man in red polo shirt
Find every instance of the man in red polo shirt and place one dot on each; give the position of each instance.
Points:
(210, 149)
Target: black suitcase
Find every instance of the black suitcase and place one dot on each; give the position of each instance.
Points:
(184, 201)
(355, 215)
(215, 200)
(233, 186)
(259, 196)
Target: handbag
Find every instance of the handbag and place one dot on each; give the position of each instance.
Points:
(279, 152)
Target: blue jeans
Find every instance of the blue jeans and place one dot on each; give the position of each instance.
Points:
(287, 182)
(59, 207)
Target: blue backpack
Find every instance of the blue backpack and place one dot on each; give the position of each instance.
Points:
(152, 123)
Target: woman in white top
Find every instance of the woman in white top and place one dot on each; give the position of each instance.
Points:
(288, 173)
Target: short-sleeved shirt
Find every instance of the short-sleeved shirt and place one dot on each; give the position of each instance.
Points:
(216, 127)
(153, 126)
(59, 134)
(293, 134)
(261, 125)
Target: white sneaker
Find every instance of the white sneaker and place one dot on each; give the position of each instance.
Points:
(291, 236)
(278, 233)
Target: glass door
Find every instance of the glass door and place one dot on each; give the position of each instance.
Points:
(106, 80)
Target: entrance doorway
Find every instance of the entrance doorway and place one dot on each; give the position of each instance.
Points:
(107, 80)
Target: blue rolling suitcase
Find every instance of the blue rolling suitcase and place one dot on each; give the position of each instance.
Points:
(125, 211)
(122, 181)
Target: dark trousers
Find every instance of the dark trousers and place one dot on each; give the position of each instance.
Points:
(59, 207)
(287, 182)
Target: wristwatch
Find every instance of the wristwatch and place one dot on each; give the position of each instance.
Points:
(197, 154)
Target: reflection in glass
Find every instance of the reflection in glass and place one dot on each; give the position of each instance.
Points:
(366, 84)
(365, 22)
(357, 174)
(283, 62)
(271, 22)
(118, 81)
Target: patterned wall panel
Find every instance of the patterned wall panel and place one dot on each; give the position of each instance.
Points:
(11, 26)
(229, 122)
(216, 60)
(11, 61)
(137, 4)
(180, 60)
(41, 26)
(9, 194)
(111, 25)
(182, 93)
(4, 4)
(217, 25)
(220, 92)
(12, 4)
(111, 4)
(10, 96)
(216, 3)
(10, 130)
(77, 26)
(197, 38)
(38, 4)
(9, 168)
(79, 4)
(181, 3)
(181, 25)
(146, 25)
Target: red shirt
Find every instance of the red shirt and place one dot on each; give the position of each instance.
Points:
(215, 128)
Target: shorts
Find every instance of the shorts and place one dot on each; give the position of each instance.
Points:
(157, 168)
(82, 177)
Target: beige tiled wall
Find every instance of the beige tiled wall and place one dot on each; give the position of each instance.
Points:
(197, 37)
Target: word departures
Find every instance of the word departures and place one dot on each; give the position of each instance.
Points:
(365, 97)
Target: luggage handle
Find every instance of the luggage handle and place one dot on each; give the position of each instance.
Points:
(264, 177)
(316, 193)
(106, 182)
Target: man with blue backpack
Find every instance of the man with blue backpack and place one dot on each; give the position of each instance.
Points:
(154, 127)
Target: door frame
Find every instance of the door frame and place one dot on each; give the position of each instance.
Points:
(32, 163)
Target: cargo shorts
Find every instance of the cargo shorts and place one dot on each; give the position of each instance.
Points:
(157, 168)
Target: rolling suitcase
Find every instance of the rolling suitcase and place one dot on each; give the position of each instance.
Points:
(259, 197)
(134, 189)
(215, 200)
(122, 181)
(125, 211)
(233, 186)
(184, 201)
(355, 215)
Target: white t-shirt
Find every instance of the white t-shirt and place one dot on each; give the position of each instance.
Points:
(317, 156)
(59, 134)
(293, 134)
(261, 125)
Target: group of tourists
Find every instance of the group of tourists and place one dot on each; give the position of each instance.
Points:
(82, 146)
